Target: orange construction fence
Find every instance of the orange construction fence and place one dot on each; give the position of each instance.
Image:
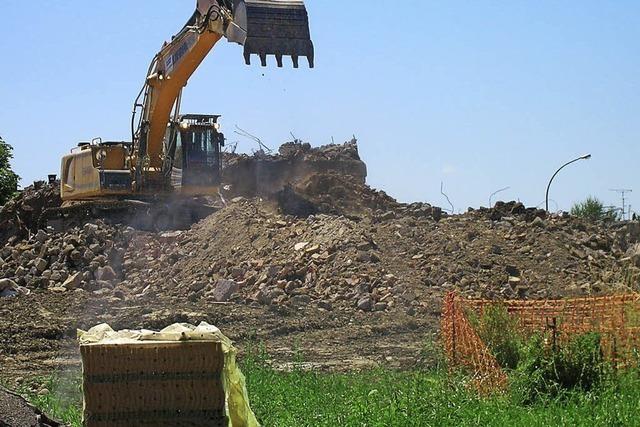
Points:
(616, 318)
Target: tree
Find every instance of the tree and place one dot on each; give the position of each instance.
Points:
(8, 178)
(594, 210)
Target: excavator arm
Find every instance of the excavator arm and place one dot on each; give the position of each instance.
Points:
(265, 27)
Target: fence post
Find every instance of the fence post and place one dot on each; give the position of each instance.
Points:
(554, 327)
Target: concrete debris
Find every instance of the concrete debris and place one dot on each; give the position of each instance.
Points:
(80, 257)
(21, 216)
(9, 288)
(224, 290)
(359, 249)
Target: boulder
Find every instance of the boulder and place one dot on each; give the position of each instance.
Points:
(73, 281)
(106, 273)
(224, 290)
(365, 303)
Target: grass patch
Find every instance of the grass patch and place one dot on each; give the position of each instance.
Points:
(382, 398)
(387, 398)
(63, 402)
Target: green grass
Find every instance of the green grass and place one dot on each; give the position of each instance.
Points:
(64, 402)
(384, 398)
(380, 398)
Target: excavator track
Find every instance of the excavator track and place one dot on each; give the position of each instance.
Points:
(171, 214)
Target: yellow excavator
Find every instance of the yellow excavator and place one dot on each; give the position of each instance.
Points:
(165, 176)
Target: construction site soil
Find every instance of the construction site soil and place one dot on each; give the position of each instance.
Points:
(315, 265)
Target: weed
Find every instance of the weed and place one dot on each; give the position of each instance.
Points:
(500, 332)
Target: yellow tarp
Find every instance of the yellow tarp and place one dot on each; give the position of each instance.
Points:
(238, 409)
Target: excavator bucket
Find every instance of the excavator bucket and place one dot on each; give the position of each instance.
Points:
(272, 27)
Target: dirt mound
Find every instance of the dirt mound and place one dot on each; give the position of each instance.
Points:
(265, 175)
(398, 260)
(16, 412)
(337, 194)
(21, 216)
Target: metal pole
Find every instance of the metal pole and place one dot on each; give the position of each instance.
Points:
(586, 157)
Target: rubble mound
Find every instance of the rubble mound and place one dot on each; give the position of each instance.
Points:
(21, 216)
(510, 209)
(88, 258)
(265, 175)
(251, 254)
(337, 194)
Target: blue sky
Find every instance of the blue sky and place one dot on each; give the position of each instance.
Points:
(479, 94)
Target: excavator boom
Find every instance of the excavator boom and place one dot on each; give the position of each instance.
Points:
(264, 27)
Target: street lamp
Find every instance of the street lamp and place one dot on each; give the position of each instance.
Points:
(585, 157)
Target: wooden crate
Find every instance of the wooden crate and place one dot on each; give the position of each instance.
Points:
(154, 384)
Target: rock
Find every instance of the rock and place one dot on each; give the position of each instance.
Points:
(75, 255)
(42, 236)
(387, 216)
(380, 306)
(91, 229)
(58, 289)
(512, 271)
(106, 273)
(634, 255)
(514, 282)
(41, 265)
(365, 303)
(363, 256)
(538, 223)
(9, 288)
(263, 298)
(312, 250)
(197, 287)
(300, 246)
(224, 290)
(73, 281)
(20, 272)
(325, 305)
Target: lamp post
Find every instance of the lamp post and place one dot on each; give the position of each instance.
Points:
(585, 157)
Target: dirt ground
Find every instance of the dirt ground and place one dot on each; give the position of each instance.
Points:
(38, 332)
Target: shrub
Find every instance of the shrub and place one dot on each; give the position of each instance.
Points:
(499, 331)
(545, 371)
(594, 210)
(8, 178)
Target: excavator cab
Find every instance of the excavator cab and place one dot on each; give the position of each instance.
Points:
(197, 159)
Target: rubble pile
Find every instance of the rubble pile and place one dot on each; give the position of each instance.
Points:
(88, 258)
(324, 260)
(21, 216)
(265, 174)
(250, 254)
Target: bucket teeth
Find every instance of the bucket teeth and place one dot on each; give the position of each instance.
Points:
(275, 27)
